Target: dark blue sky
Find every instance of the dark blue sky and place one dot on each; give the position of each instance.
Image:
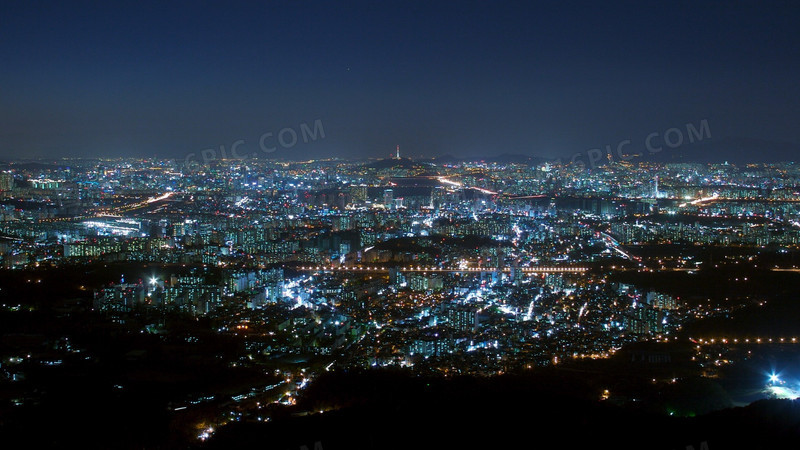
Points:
(471, 78)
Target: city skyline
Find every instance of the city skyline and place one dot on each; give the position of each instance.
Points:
(239, 292)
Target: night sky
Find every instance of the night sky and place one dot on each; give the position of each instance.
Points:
(461, 78)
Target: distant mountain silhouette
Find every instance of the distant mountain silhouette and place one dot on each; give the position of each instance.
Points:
(388, 163)
(505, 158)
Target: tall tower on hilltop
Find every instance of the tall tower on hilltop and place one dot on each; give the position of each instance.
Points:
(398, 152)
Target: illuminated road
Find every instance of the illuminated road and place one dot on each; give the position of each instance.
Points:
(120, 209)
(755, 340)
(446, 181)
(614, 245)
(526, 270)
(382, 269)
(700, 201)
(115, 212)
